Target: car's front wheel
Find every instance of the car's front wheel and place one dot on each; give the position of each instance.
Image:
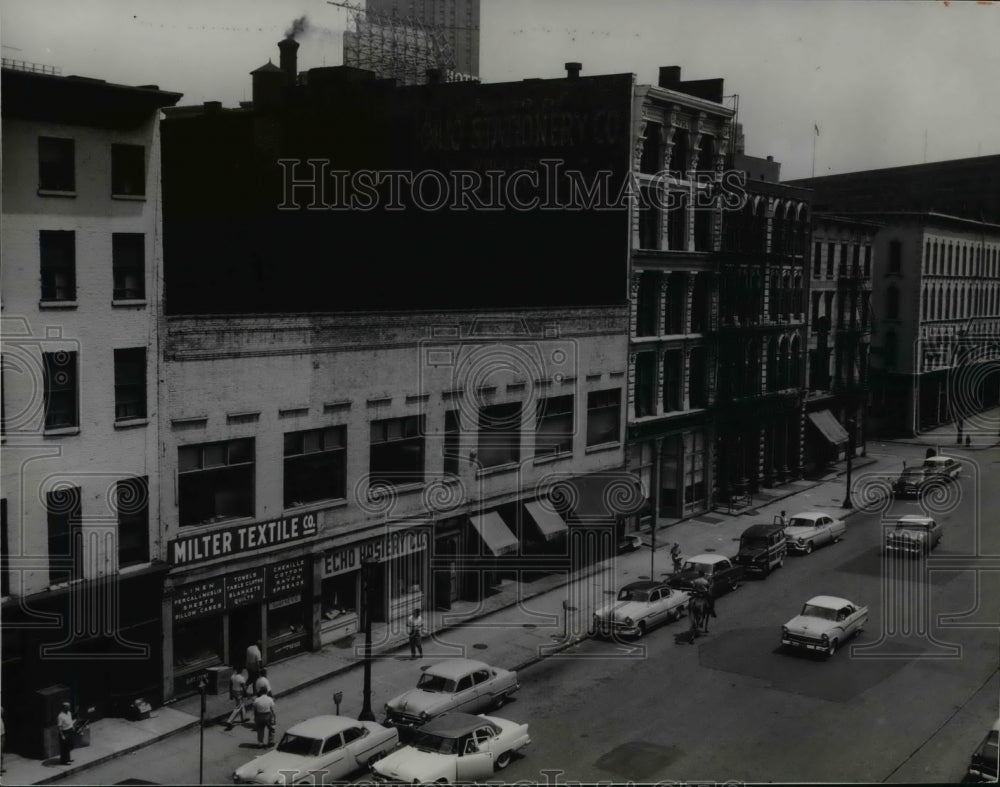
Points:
(500, 701)
(640, 630)
(809, 548)
(832, 647)
(734, 584)
(502, 761)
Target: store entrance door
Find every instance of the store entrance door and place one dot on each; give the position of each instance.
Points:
(244, 630)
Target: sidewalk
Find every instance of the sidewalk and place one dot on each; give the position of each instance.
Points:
(511, 629)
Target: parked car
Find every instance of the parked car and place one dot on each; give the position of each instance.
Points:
(454, 747)
(721, 573)
(944, 467)
(984, 764)
(762, 548)
(320, 750)
(452, 685)
(912, 482)
(812, 529)
(824, 623)
(639, 607)
(913, 534)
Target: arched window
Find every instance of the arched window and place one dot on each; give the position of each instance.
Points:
(786, 293)
(783, 363)
(925, 303)
(772, 364)
(796, 363)
(797, 295)
(892, 302)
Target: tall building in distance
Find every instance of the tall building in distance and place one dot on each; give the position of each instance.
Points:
(404, 39)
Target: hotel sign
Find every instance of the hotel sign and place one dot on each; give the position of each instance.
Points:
(241, 538)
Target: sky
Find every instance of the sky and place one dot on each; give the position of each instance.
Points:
(886, 82)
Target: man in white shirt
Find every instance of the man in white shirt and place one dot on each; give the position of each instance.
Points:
(64, 721)
(254, 662)
(262, 682)
(264, 717)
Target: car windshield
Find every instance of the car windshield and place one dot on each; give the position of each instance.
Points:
(911, 526)
(913, 472)
(299, 744)
(691, 565)
(753, 542)
(814, 611)
(797, 521)
(428, 741)
(436, 683)
(633, 595)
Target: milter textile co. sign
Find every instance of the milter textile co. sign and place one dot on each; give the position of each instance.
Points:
(241, 538)
(222, 594)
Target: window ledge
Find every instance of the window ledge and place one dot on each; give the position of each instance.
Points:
(55, 193)
(58, 304)
(126, 302)
(130, 197)
(596, 449)
(231, 520)
(133, 568)
(543, 460)
(497, 469)
(62, 431)
(316, 505)
(399, 489)
(129, 423)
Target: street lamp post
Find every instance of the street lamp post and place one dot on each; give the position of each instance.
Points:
(203, 691)
(851, 430)
(366, 708)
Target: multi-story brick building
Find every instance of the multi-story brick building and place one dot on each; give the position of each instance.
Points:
(452, 409)
(839, 335)
(83, 573)
(683, 130)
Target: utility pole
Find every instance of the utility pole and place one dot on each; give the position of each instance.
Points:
(203, 691)
(852, 428)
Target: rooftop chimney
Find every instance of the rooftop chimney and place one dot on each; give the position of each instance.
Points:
(289, 48)
(670, 76)
(573, 70)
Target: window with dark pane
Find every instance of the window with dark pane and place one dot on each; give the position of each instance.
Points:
(132, 503)
(499, 434)
(61, 384)
(130, 383)
(215, 481)
(315, 465)
(56, 164)
(128, 170)
(396, 454)
(65, 534)
(554, 425)
(604, 416)
(452, 438)
(128, 261)
(57, 257)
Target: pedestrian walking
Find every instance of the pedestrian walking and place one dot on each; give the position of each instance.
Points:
(262, 682)
(675, 555)
(64, 721)
(264, 717)
(239, 694)
(253, 662)
(415, 629)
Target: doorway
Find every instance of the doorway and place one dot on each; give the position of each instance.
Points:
(244, 630)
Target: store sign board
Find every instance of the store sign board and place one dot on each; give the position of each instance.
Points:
(199, 600)
(241, 538)
(285, 577)
(245, 587)
(388, 546)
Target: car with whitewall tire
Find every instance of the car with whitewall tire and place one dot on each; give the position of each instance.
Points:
(810, 529)
(824, 624)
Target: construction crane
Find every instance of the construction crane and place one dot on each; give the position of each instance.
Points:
(397, 47)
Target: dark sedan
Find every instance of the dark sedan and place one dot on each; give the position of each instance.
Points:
(722, 574)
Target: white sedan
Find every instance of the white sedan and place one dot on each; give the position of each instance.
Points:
(640, 606)
(824, 623)
(320, 750)
(454, 748)
(811, 529)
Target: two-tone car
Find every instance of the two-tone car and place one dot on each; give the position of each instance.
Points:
(324, 749)
(810, 529)
(945, 467)
(454, 748)
(824, 623)
(912, 482)
(639, 607)
(457, 684)
(722, 574)
(912, 534)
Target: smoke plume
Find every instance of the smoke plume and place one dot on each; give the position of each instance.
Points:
(299, 26)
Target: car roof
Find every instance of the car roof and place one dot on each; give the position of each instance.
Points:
(453, 725)
(645, 584)
(762, 528)
(811, 515)
(323, 726)
(707, 558)
(937, 459)
(829, 602)
(455, 668)
(916, 519)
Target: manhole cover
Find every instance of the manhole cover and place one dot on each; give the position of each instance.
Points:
(480, 645)
(529, 626)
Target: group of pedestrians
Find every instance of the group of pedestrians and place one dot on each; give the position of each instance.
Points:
(250, 691)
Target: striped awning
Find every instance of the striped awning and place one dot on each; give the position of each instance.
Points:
(494, 533)
(548, 521)
(829, 427)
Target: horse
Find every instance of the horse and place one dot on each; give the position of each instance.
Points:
(699, 610)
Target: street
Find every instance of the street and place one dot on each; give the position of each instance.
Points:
(734, 706)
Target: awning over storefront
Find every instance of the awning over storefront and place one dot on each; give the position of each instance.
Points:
(829, 427)
(548, 521)
(495, 533)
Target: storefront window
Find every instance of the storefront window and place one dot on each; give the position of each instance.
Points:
(406, 575)
(694, 469)
(198, 644)
(340, 596)
(286, 617)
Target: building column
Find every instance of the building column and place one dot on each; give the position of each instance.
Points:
(630, 404)
(686, 379)
(688, 298)
(662, 305)
(660, 364)
(633, 305)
